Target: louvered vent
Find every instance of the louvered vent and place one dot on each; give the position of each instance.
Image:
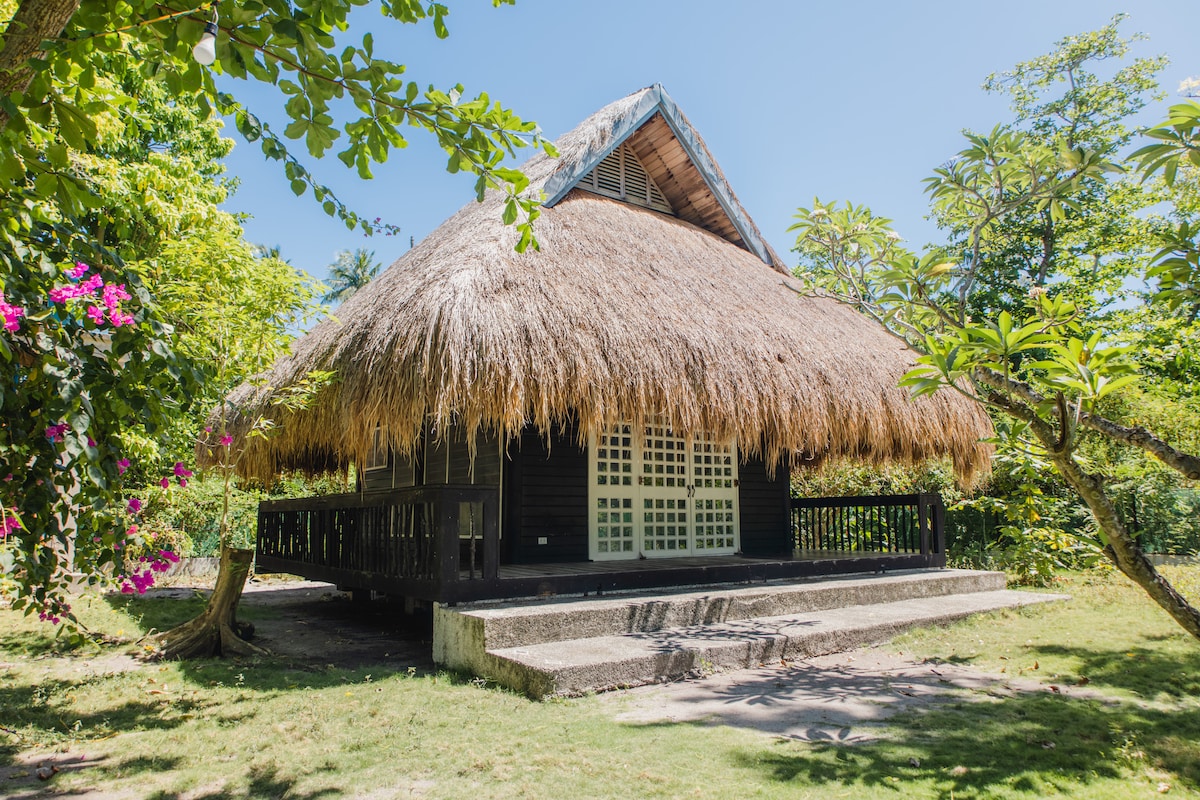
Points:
(622, 176)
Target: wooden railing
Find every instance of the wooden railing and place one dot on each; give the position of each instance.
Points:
(424, 539)
(897, 524)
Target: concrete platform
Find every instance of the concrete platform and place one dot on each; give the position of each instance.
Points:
(553, 647)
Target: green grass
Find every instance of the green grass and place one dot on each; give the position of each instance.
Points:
(271, 728)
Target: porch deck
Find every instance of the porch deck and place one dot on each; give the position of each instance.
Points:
(656, 564)
(442, 544)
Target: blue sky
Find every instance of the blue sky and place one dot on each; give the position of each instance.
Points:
(843, 100)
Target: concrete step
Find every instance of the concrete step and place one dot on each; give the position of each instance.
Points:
(597, 663)
(499, 625)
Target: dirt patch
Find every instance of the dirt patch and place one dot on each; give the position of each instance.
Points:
(314, 624)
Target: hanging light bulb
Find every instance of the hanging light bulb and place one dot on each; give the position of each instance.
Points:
(205, 51)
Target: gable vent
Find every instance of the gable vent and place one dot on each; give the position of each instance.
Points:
(622, 176)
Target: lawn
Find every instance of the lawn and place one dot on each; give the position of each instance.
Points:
(1123, 723)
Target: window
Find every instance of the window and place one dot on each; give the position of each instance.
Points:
(377, 456)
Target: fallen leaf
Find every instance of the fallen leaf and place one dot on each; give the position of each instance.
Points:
(1054, 688)
(1048, 745)
(914, 762)
(1084, 681)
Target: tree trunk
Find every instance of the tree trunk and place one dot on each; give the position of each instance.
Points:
(34, 22)
(1123, 550)
(216, 632)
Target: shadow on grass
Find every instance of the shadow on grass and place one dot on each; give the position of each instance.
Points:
(262, 782)
(259, 782)
(46, 707)
(1034, 743)
(316, 638)
(1142, 670)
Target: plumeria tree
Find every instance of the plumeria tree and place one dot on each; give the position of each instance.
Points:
(1037, 351)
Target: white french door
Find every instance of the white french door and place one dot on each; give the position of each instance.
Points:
(654, 495)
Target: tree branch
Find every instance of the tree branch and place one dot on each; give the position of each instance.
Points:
(34, 22)
(1185, 463)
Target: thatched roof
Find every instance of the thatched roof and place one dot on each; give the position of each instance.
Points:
(624, 314)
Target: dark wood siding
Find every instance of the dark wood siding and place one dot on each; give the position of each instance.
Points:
(764, 506)
(376, 480)
(405, 470)
(445, 461)
(546, 495)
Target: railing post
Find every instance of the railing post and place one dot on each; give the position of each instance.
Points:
(491, 537)
(932, 514)
(447, 545)
(923, 523)
(939, 531)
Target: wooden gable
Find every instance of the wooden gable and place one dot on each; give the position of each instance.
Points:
(682, 183)
(677, 163)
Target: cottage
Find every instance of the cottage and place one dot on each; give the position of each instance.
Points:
(619, 409)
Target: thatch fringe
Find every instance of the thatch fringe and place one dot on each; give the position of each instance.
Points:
(624, 315)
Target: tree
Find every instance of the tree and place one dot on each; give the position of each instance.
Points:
(351, 271)
(1034, 349)
(89, 370)
(52, 63)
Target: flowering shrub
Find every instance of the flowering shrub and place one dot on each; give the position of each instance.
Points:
(89, 363)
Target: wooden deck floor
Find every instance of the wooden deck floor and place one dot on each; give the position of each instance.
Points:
(575, 568)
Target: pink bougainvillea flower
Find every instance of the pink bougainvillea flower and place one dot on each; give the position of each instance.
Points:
(226, 440)
(208, 428)
(183, 483)
(78, 270)
(122, 465)
(131, 530)
(135, 505)
(55, 432)
(165, 483)
(61, 294)
(119, 318)
(112, 295)
(181, 471)
(96, 314)
(9, 525)
(9, 314)
(91, 442)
